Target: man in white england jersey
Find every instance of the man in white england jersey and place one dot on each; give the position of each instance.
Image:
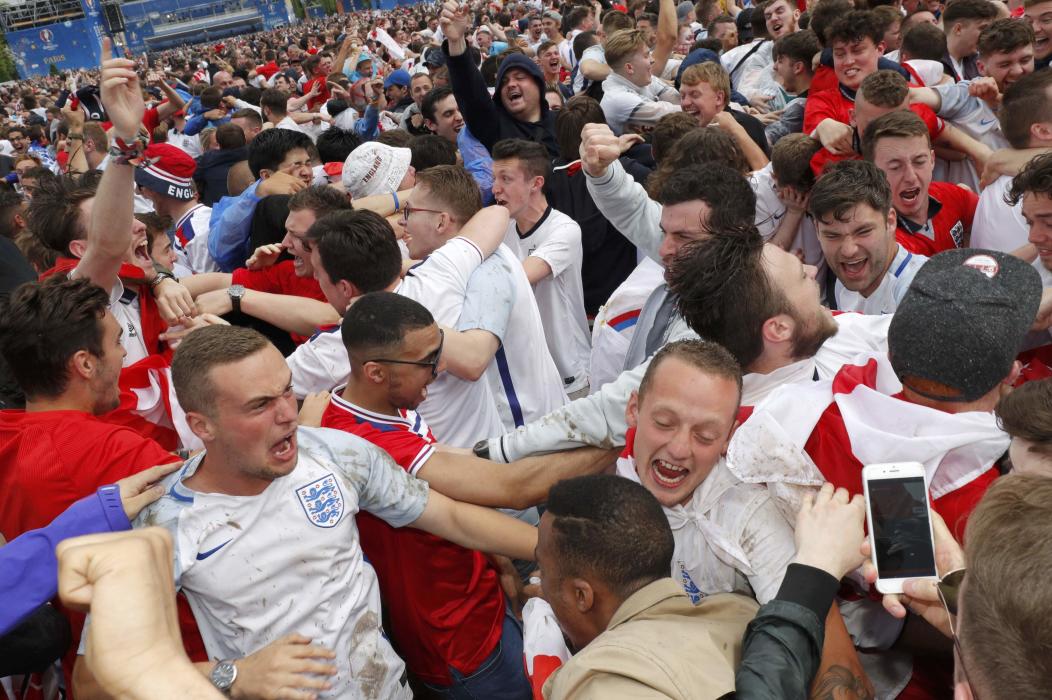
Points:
(548, 243)
(516, 364)
(851, 207)
(354, 253)
(264, 528)
(1026, 113)
(1031, 191)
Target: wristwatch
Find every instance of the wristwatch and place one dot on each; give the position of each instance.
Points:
(236, 292)
(223, 676)
(481, 449)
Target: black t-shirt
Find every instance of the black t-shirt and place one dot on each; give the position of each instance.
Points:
(754, 128)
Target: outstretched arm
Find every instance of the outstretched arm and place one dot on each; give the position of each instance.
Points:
(518, 485)
(475, 527)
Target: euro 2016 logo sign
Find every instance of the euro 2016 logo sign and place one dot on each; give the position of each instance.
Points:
(47, 38)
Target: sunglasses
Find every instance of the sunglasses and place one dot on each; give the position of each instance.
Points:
(432, 362)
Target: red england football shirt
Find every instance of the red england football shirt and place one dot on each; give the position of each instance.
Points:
(444, 602)
(950, 213)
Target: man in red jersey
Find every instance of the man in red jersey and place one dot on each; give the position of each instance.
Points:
(448, 615)
(931, 216)
(63, 347)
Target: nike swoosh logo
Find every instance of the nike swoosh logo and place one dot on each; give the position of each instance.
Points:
(201, 556)
(986, 122)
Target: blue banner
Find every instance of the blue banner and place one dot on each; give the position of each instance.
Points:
(66, 45)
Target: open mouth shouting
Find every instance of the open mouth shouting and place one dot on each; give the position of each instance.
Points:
(910, 199)
(514, 100)
(668, 475)
(284, 449)
(855, 269)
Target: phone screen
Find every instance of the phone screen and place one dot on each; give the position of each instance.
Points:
(901, 532)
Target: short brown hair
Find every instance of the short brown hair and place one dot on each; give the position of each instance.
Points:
(924, 41)
(532, 156)
(1005, 600)
(967, 10)
(1004, 36)
(709, 72)
(569, 122)
(1025, 103)
(888, 15)
(454, 187)
(709, 357)
(54, 214)
(615, 21)
(94, 132)
(885, 88)
(791, 161)
(622, 44)
(902, 124)
(1035, 177)
(845, 185)
(1026, 413)
(670, 129)
(321, 199)
(203, 350)
(723, 291)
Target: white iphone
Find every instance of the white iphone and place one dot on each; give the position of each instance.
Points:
(899, 523)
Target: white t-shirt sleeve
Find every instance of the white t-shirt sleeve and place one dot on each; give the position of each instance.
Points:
(319, 364)
(452, 264)
(489, 298)
(768, 542)
(384, 488)
(561, 248)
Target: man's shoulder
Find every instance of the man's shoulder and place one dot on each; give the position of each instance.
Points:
(954, 196)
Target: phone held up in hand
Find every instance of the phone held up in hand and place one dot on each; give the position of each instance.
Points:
(899, 523)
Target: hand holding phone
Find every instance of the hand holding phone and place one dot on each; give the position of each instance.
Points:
(900, 524)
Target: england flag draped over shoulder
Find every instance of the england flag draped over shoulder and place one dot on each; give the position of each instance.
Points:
(149, 406)
(807, 433)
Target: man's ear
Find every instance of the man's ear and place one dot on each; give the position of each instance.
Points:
(893, 219)
(583, 595)
(82, 364)
(778, 329)
(201, 426)
(78, 247)
(632, 410)
(375, 372)
(264, 173)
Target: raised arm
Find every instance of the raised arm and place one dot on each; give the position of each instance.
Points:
(486, 228)
(291, 313)
(473, 97)
(110, 229)
(666, 35)
(468, 353)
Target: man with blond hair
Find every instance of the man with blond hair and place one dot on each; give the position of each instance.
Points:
(633, 99)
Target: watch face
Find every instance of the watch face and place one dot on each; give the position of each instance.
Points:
(223, 675)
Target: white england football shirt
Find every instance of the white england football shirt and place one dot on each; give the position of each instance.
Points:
(459, 412)
(256, 568)
(887, 296)
(998, 225)
(556, 239)
(191, 240)
(522, 376)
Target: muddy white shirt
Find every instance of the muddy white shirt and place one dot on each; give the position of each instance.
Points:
(256, 568)
(730, 537)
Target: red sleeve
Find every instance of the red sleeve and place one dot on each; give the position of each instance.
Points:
(405, 447)
(819, 107)
(931, 120)
(264, 280)
(968, 202)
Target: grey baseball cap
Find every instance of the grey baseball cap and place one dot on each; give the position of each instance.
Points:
(962, 323)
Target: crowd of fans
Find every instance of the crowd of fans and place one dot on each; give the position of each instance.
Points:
(484, 350)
